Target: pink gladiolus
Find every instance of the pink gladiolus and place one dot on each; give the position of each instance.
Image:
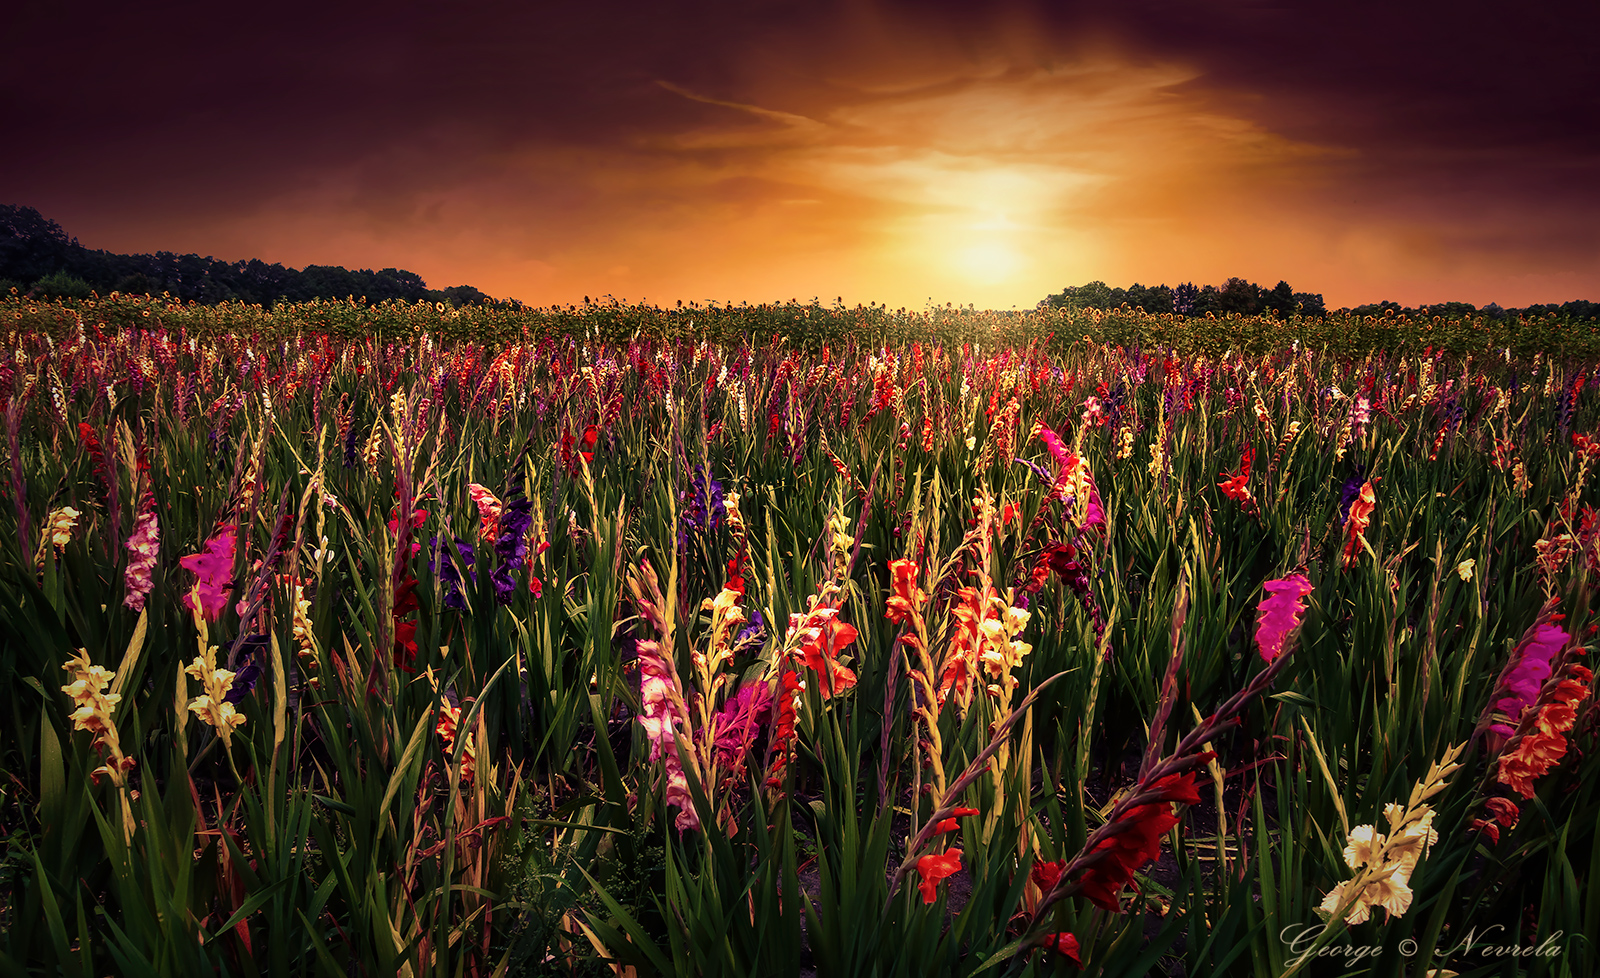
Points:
(143, 545)
(489, 507)
(661, 722)
(1069, 467)
(214, 568)
(740, 719)
(1279, 613)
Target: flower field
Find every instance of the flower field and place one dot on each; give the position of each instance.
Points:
(996, 649)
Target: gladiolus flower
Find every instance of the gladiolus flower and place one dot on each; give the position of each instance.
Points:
(822, 656)
(907, 597)
(740, 719)
(788, 700)
(1279, 613)
(1237, 486)
(1534, 753)
(933, 869)
(488, 511)
(657, 689)
(93, 712)
(950, 824)
(1355, 527)
(1503, 812)
(143, 547)
(1046, 875)
(447, 728)
(212, 705)
(405, 632)
(57, 532)
(1383, 864)
(213, 567)
(1136, 841)
(1530, 665)
(1065, 944)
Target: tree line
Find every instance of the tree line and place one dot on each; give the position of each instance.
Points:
(1246, 298)
(38, 258)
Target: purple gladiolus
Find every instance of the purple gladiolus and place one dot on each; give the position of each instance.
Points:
(511, 546)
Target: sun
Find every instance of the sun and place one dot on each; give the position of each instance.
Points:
(986, 262)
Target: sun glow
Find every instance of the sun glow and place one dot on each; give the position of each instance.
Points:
(987, 262)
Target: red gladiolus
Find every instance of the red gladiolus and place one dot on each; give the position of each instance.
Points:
(1046, 875)
(783, 730)
(405, 632)
(1137, 841)
(1360, 518)
(589, 435)
(1502, 812)
(1065, 944)
(1236, 488)
(932, 869)
(822, 656)
(950, 824)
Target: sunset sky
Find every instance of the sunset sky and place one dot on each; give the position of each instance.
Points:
(983, 153)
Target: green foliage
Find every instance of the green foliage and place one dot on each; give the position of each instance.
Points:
(442, 767)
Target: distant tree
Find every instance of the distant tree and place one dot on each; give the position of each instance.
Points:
(136, 284)
(1240, 296)
(33, 248)
(1280, 300)
(1309, 304)
(1185, 298)
(464, 295)
(62, 286)
(1153, 299)
(1208, 301)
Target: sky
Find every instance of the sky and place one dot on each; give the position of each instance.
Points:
(983, 153)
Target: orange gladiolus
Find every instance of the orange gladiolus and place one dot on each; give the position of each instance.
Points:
(907, 597)
(932, 869)
(1542, 748)
(1354, 528)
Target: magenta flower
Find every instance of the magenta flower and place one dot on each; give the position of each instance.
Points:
(1070, 467)
(1279, 612)
(740, 719)
(1525, 675)
(213, 567)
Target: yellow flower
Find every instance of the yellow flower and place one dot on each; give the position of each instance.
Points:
(212, 705)
(1464, 569)
(62, 522)
(93, 713)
